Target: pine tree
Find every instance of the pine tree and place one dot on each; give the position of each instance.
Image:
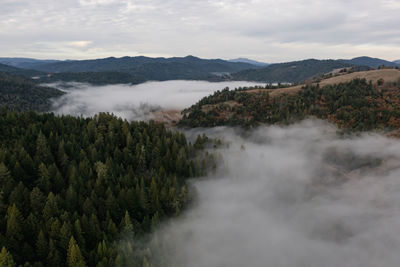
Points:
(41, 245)
(14, 231)
(126, 224)
(6, 259)
(74, 256)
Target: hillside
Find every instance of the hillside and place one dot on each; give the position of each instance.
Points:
(24, 94)
(291, 72)
(250, 61)
(370, 62)
(350, 101)
(95, 78)
(18, 71)
(24, 63)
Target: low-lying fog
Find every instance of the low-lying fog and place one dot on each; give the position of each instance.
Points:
(134, 102)
(296, 196)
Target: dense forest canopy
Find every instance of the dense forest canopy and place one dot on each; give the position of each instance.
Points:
(72, 187)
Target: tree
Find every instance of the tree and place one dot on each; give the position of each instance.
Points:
(6, 259)
(74, 256)
(14, 231)
(41, 245)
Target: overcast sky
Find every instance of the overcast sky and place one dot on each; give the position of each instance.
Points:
(265, 30)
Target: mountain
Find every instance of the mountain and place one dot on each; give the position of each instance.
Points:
(250, 61)
(176, 66)
(397, 61)
(24, 63)
(19, 93)
(370, 62)
(17, 71)
(292, 72)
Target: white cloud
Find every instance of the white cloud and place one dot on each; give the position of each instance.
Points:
(80, 44)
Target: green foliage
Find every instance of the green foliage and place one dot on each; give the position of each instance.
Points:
(24, 94)
(71, 187)
(6, 259)
(356, 105)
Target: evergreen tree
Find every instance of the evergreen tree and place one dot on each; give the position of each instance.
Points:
(6, 259)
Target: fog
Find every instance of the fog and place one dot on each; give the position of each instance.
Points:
(300, 195)
(134, 102)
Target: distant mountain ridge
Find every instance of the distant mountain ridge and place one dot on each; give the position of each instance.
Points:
(138, 69)
(370, 62)
(18, 71)
(292, 72)
(25, 63)
(190, 65)
(298, 71)
(250, 61)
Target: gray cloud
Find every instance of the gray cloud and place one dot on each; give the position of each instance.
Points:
(291, 196)
(265, 30)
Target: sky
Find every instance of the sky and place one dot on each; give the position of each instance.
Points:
(264, 30)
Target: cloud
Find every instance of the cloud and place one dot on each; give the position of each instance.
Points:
(134, 102)
(80, 44)
(299, 195)
(209, 29)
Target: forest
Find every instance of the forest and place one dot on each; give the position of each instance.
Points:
(21, 93)
(72, 187)
(356, 105)
(95, 78)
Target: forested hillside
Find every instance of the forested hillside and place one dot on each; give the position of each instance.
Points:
(72, 187)
(24, 63)
(356, 105)
(17, 71)
(130, 64)
(136, 70)
(95, 78)
(292, 72)
(25, 94)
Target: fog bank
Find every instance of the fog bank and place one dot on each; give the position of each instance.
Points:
(134, 102)
(291, 196)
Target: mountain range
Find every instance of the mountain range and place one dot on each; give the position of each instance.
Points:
(250, 61)
(24, 63)
(371, 62)
(139, 69)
